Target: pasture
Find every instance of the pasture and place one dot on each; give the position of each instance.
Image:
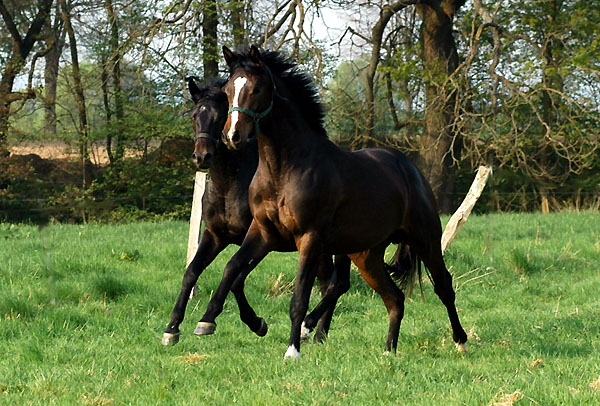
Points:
(83, 309)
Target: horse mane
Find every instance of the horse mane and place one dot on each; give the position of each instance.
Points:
(209, 88)
(298, 83)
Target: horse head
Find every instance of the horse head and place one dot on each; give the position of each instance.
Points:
(250, 92)
(208, 115)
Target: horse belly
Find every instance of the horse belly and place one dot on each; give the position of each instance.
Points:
(357, 231)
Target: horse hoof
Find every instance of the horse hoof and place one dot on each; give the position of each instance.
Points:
(292, 353)
(461, 347)
(170, 339)
(304, 332)
(204, 328)
(262, 330)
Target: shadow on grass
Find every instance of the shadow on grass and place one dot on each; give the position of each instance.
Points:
(106, 285)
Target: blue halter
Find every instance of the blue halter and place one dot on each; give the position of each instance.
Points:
(258, 116)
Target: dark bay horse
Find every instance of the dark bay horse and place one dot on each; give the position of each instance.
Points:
(325, 200)
(226, 212)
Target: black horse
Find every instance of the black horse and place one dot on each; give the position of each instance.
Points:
(326, 201)
(226, 212)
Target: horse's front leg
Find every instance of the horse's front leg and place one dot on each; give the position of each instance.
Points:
(208, 249)
(247, 314)
(251, 252)
(332, 288)
(310, 250)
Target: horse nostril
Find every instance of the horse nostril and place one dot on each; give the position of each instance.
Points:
(235, 137)
(207, 157)
(194, 155)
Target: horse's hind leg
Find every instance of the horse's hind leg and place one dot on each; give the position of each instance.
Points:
(371, 266)
(333, 284)
(208, 249)
(442, 281)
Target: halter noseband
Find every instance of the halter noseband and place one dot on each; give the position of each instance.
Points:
(207, 136)
(258, 116)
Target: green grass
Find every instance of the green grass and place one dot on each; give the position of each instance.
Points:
(82, 311)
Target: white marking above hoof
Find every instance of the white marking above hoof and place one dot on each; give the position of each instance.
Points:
(461, 347)
(291, 353)
(304, 332)
(170, 339)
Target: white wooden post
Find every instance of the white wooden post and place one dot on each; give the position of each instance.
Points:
(195, 220)
(462, 213)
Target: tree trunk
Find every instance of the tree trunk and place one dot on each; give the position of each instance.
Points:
(440, 146)
(119, 149)
(83, 126)
(50, 80)
(551, 80)
(386, 13)
(237, 22)
(56, 39)
(21, 47)
(210, 57)
(390, 100)
(107, 110)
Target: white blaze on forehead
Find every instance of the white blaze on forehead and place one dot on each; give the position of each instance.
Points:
(238, 84)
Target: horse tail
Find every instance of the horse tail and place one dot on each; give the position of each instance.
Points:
(405, 268)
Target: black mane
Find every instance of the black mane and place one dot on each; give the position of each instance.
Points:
(209, 88)
(298, 84)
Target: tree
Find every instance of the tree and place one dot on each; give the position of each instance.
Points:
(528, 101)
(114, 51)
(81, 109)
(55, 41)
(21, 48)
(210, 20)
(387, 11)
(441, 146)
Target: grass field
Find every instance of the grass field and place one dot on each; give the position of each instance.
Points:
(83, 308)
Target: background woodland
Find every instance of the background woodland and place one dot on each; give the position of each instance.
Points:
(454, 84)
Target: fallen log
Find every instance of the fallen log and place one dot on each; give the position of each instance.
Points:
(462, 213)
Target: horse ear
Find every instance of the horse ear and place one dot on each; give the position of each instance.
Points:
(230, 58)
(255, 55)
(194, 89)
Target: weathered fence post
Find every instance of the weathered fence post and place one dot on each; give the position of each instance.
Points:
(195, 220)
(462, 213)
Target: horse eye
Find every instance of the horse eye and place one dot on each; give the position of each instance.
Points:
(256, 90)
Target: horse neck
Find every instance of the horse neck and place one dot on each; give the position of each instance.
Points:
(283, 139)
(231, 167)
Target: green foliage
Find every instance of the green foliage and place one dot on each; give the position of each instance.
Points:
(135, 189)
(532, 335)
(347, 113)
(143, 189)
(148, 114)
